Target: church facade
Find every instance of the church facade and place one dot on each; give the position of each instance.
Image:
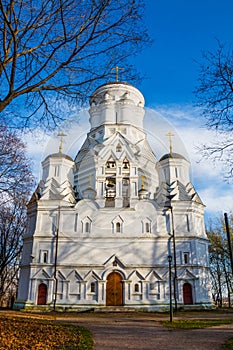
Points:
(107, 228)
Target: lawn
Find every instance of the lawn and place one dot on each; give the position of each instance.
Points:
(32, 333)
(196, 324)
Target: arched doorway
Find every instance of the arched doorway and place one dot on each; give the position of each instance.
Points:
(42, 294)
(187, 294)
(114, 290)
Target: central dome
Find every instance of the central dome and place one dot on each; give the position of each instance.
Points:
(117, 103)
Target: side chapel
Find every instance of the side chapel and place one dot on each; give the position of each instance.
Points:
(102, 226)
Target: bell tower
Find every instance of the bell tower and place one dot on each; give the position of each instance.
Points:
(116, 151)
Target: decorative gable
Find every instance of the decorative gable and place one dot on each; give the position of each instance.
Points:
(186, 275)
(41, 275)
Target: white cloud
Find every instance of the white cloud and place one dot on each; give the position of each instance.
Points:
(207, 177)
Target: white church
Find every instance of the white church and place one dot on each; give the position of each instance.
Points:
(108, 228)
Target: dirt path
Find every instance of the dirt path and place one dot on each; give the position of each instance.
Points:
(145, 332)
(120, 331)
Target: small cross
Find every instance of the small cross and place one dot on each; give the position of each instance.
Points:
(117, 72)
(143, 180)
(169, 134)
(61, 134)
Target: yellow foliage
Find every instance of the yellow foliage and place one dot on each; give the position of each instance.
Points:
(31, 333)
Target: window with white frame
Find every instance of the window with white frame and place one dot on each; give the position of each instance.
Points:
(44, 256)
(117, 225)
(146, 225)
(86, 225)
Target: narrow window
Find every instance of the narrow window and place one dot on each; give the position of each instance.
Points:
(92, 287)
(176, 172)
(187, 223)
(87, 227)
(118, 227)
(76, 223)
(186, 258)
(54, 224)
(147, 227)
(45, 257)
(101, 188)
(57, 170)
(136, 287)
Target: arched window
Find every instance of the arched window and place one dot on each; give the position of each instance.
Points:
(117, 224)
(136, 287)
(86, 225)
(146, 225)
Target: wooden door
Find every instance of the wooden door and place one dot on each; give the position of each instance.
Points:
(187, 294)
(114, 290)
(42, 294)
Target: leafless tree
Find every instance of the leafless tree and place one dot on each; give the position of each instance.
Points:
(12, 227)
(15, 175)
(16, 182)
(220, 263)
(56, 51)
(215, 97)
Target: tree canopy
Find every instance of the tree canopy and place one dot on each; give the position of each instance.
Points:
(55, 51)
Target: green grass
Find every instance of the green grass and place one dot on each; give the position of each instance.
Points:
(228, 345)
(197, 324)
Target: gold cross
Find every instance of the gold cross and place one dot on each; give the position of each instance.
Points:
(143, 180)
(61, 134)
(117, 72)
(169, 134)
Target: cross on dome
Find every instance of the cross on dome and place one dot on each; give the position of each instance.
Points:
(61, 134)
(169, 134)
(117, 72)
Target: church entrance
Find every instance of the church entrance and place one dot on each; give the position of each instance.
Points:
(114, 290)
(42, 294)
(187, 294)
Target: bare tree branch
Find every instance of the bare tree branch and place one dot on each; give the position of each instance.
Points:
(61, 47)
(215, 97)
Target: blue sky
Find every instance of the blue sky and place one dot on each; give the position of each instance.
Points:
(180, 30)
